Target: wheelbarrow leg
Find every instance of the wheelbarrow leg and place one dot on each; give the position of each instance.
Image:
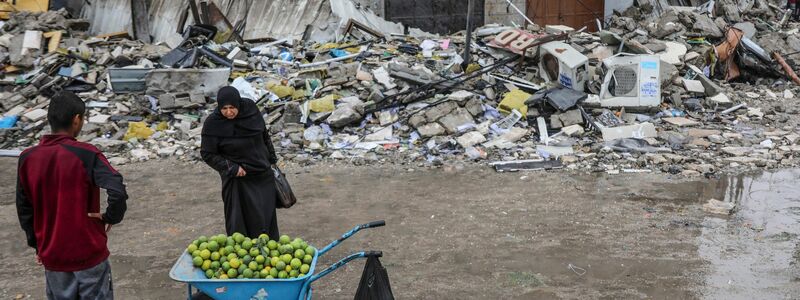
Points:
(307, 285)
(190, 291)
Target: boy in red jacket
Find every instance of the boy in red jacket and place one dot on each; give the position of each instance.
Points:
(58, 204)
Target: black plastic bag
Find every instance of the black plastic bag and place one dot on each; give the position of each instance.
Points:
(286, 197)
(374, 283)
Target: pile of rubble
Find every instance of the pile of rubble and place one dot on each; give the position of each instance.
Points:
(689, 90)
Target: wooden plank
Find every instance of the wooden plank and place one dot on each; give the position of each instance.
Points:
(141, 20)
(182, 20)
(121, 34)
(54, 40)
(195, 12)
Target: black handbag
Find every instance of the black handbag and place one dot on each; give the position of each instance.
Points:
(286, 198)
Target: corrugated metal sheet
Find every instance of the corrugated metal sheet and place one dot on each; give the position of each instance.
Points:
(284, 18)
(267, 18)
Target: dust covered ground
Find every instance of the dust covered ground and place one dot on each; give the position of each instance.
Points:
(469, 233)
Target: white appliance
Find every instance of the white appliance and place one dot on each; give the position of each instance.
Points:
(558, 61)
(631, 81)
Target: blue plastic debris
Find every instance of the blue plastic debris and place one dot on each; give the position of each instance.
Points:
(8, 122)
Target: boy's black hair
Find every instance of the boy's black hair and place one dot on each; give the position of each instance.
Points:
(63, 107)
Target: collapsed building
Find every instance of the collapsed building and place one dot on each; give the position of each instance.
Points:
(690, 90)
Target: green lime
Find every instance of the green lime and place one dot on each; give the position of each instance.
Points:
(263, 273)
(263, 236)
(294, 274)
(196, 253)
(191, 248)
(296, 263)
(203, 246)
(272, 245)
(299, 253)
(247, 244)
(253, 266)
(223, 276)
(232, 256)
(260, 259)
(223, 259)
(286, 258)
(206, 265)
(280, 265)
(215, 255)
(202, 239)
(247, 259)
(303, 244)
(197, 261)
(242, 252)
(205, 254)
(273, 272)
(238, 238)
(308, 259)
(310, 250)
(248, 273)
(254, 252)
(226, 266)
(232, 273)
(214, 265)
(196, 243)
(234, 263)
(304, 269)
(229, 249)
(273, 261)
(213, 246)
(284, 239)
(222, 252)
(209, 274)
(274, 253)
(241, 269)
(283, 274)
(229, 242)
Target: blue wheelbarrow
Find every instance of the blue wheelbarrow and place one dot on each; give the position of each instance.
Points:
(264, 289)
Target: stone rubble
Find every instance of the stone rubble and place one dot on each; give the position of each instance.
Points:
(391, 104)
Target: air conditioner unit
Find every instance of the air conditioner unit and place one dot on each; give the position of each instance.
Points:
(558, 61)
(631, 81)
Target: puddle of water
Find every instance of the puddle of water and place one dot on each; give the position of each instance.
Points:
(751, 252)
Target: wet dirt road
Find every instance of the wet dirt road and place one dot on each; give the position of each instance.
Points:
(470, 233)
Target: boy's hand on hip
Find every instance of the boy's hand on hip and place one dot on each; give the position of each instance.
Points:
(99, 216)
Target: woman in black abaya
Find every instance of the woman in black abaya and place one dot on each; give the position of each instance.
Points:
(236, 144)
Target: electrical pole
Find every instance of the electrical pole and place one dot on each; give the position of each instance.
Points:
(468, 48)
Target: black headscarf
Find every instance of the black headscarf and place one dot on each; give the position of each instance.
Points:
(248, 122)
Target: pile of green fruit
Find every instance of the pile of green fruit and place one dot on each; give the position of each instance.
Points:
(238, 257)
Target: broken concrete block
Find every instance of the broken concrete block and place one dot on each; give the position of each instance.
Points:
(702, 133)
(433, 114)
(344, 115)
(417, 120)
(680, 121)
(382, 76)
(706, 27)
(140, 154)
(558, 29)
(715, 206)
(737, 151)
(720, 99)
(573, 130)
(460, 96)
(458, 117)
(35, 115)
(16, 111)
(431, 130)
(639, 131)
(474, 107)
(384, 134)
(514, 134)
(674, 53)
(99, 119)
(694, 86)
(470, 139)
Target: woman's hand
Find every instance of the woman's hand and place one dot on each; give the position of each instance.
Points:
(241, 172)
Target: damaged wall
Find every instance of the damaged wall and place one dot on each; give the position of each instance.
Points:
(500, 12)
(436, 16)
(276, 19)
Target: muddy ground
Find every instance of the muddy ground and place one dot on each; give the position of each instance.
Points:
(470, 233)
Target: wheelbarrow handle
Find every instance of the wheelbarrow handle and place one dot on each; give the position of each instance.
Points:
(307, 285)
(374, 224)
(351, 233)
